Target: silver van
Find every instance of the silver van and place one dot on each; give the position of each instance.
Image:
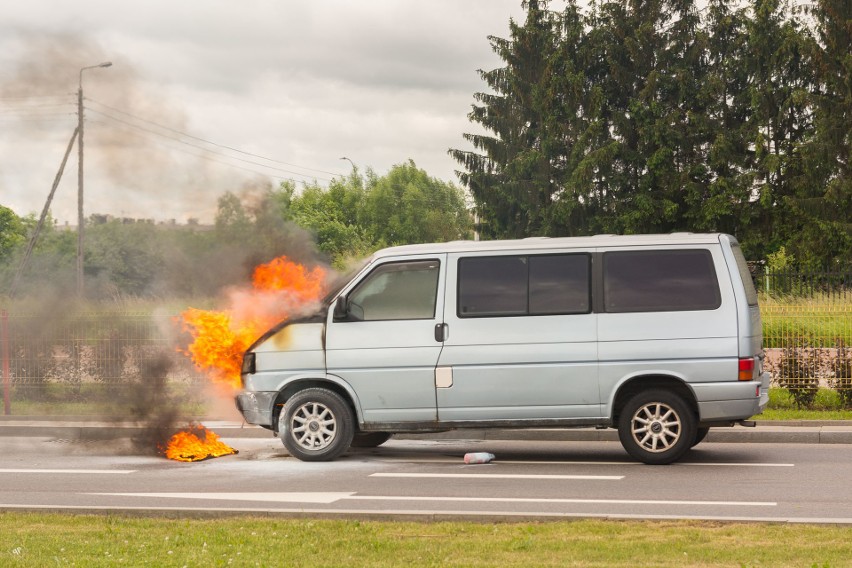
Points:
(658, 336)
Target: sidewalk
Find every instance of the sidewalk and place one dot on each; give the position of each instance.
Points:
(82, 428)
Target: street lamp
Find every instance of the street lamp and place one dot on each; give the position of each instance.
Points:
(350, 161)
(80, 177)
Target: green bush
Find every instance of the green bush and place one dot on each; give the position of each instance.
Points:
(841, 373)
(798, 372)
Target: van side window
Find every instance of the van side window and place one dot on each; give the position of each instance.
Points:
(660, 281)
(524, 285)
(396, 291)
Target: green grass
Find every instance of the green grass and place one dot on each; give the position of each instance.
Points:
(827, 406)
(33, 408)
(29, 539)
(98, 400)
(819, 320)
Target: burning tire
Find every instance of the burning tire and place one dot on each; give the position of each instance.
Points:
(316, 425)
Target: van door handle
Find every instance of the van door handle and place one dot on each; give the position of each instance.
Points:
(442, 332)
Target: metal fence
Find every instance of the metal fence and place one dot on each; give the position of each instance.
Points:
(96, 363)
(807, 331)
(92, 363)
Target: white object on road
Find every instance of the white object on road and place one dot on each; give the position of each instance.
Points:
(478, 457)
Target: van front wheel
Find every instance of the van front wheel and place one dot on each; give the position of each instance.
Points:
(656, 427)
(370, 439)
(316, 425)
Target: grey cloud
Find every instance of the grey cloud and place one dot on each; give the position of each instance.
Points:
(302, 82)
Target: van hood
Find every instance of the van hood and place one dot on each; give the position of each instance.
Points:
(292, 336)
(285, 337)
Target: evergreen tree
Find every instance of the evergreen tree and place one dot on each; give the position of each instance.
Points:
(778, 87)
(824, 198)
(512, 182)
(725, 205)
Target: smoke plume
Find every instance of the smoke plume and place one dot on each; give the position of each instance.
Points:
(134, 166)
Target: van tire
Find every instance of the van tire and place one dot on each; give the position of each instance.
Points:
(370, 439)
(700, 434)
(657, 427)
(316, 424)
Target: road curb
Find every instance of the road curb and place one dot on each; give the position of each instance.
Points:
(762, 433)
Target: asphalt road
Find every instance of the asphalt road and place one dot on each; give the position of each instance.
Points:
(428, 479)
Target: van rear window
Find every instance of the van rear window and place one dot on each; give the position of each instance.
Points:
(745, 275)
(528, 285)
(660, 281)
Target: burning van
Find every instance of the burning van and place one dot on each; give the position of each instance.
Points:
(658, 336)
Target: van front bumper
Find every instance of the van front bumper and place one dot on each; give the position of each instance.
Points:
(731, 400)
(256, 407)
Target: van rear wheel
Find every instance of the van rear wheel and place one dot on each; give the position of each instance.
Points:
(316, 425)
(656, 427)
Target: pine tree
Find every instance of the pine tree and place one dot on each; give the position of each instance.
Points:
(512, 179)
(823, 201)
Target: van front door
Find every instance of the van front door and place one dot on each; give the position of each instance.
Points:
(521, 339)
(385, 344)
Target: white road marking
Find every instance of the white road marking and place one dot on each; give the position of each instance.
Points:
(558, 501)
(329, 498)
(498, 461)
(77, 471)
(722, 464)
(498, 476)
(324, 498)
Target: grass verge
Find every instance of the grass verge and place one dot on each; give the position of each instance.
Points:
(31, 539)
(782, 406)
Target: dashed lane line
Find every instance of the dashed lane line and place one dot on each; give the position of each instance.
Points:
(498, 476)
(72, 471)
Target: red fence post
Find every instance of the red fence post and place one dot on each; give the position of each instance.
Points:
(4, 340)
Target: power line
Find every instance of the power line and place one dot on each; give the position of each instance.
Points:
(151, 131)
(202, 156)
(25, 98)
(210, 142)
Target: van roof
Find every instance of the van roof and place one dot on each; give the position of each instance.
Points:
(545, 243)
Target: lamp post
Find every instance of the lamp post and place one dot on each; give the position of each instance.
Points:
(350, 161)
(80, 221)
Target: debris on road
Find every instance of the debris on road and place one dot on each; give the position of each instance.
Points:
(478, 457)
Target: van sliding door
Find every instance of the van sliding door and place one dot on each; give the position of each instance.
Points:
(522, 338)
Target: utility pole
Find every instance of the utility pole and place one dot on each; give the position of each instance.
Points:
(80, 219)
(28, 253)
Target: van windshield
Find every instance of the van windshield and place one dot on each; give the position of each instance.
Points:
(342, 279)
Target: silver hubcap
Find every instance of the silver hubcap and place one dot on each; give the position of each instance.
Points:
(656, 427)
(313, 426)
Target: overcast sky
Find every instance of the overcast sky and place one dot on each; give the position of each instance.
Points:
(303, 83)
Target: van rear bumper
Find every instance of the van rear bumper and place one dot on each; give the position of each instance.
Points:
(256, 406)
(731, 400)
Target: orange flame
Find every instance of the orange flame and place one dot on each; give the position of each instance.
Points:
(280, 289)
(196, 443)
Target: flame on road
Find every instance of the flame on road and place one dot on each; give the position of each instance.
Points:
(196, 443)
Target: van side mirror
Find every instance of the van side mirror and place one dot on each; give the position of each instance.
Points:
(341, 309)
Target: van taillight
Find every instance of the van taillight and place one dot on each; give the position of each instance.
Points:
(746, 369)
